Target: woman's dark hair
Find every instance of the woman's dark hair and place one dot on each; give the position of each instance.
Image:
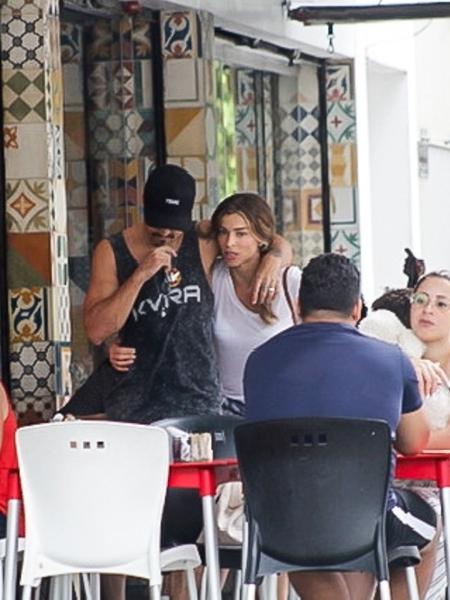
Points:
(397, 301)
(329, 282)
(442, 274)
(257, 214)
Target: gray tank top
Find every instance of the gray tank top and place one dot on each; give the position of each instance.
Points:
(175, 372)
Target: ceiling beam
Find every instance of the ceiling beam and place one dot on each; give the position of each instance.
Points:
(319, 15)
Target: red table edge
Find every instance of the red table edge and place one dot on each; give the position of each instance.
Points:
(428, 465)
(204, 476)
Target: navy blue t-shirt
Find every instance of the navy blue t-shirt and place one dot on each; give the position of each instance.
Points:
(329, 370)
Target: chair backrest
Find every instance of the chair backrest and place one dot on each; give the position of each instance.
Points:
(93, 496)
(221, 428)
(316, 488)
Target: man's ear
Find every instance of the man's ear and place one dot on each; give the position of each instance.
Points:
(356, 311)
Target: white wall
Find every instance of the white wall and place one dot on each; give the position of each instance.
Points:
(390, 184)
(435, 210)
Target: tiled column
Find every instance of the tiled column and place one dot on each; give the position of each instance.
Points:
(187, 41)
(118, 151)
(301, 163)
(342, 161)
(36, 206)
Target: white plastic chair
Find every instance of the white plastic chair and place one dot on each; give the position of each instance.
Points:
(93, 495)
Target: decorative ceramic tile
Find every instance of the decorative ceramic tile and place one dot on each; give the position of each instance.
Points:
(59, 260)
(27, 205)
(63, 377)
(291, 168)
(125, 28)
(179, 35)
(103, 41)
(341, 121)
(311, 209)
(343, 206)
(77, 232)
(346, 242)
(73, 86)
(23, 96)
(338, 83)
(312, 245)
(28, 259)
(290, 209)
(342, 164)
(123, 83)
(32, 369)
(28, 310)
(60, 329)
(71, 42)
(245, 87)
(30, 410)
(74, 135)
(181, 80)
(100, 86)
(247, 174)
(310, 163)
(79, 271)
(17, 143)
(185, 131)
(308, 89)
(107, 135)
(245, 126)
(76, 184)
(141, 36)
(22, 39)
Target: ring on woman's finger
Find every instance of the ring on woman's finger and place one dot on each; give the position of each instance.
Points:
(271, 289)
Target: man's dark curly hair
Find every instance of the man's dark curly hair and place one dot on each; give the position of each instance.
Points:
(397, 301)
(329, 282)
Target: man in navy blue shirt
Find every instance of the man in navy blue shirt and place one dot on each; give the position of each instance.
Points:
(325, 367)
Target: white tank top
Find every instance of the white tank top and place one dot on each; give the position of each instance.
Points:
(238, 330)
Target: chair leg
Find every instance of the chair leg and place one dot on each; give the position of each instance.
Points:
(204, 584)
(87, 586)
(411, 579)
(26, 594)
(385, 590)
(192, 584)
(95, 582)
(237, 585)
(155, 592)
(249, 591)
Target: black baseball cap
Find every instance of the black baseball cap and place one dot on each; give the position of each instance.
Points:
(169, 195)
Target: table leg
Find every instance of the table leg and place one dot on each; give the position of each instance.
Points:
(445, 504)
(12, 538)
(211, 548)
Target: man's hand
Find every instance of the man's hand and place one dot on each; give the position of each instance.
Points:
(121, 358)
(430, 376)
(267, 278)
(156, 259)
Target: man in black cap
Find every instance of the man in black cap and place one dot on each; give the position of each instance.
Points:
(149, 286)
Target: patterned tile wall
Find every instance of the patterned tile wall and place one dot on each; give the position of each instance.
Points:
(301, 162)
(190, 124)
(342, 161)
(36, 202)
(117, 107)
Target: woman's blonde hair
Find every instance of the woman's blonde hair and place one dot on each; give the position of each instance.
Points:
(257, 213)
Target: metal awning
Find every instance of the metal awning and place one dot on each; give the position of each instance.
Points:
(318, 13)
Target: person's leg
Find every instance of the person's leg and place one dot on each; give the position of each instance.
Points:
(311, 585)
(413, 522)
(113, 587)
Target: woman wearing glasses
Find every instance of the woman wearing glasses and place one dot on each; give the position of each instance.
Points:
(430, 321)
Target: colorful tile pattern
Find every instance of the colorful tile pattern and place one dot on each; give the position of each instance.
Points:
(28, 314)
(27, 202)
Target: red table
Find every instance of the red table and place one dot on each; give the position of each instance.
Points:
(431, 465)
(205, 477)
